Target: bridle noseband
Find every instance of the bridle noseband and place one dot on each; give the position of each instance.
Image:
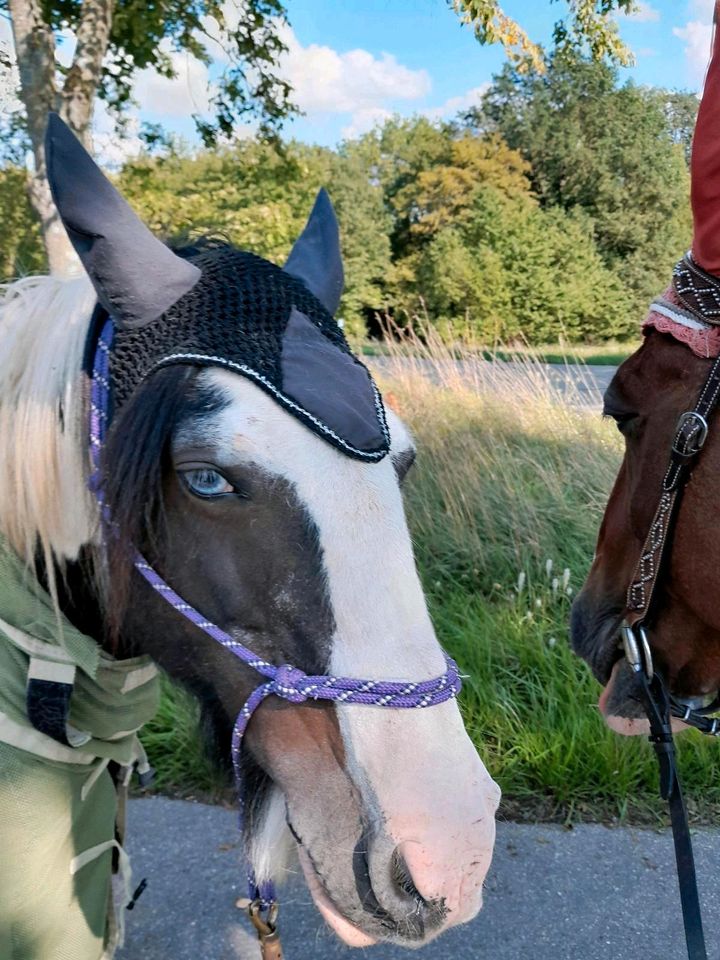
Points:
(659, 704)
(284, 681)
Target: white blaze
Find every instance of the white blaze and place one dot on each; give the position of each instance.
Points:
(417, 769)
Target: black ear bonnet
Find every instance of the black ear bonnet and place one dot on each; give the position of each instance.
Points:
(249, 316)
(219, 306)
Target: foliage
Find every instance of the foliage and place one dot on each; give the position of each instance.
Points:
(509, 269)
(617, 153)
(555, 212)
(247, 43)
(442, 195)
(259, 197)
(588, 25)
(20, 243)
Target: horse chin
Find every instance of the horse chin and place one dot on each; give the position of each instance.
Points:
(621, 706)
(350, 934)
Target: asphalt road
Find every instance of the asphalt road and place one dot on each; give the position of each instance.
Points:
(591, 893)
(583, 385)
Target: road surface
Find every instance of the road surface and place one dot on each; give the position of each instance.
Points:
(583, 384)
(591, 893)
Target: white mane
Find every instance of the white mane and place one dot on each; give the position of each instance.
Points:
(44, 500)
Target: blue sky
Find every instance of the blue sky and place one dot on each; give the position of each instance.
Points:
(356, 61)
(425, 35)
(670, 39)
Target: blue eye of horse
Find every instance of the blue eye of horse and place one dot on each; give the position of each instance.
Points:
(207, 483)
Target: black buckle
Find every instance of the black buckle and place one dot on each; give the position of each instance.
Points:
(690, 435)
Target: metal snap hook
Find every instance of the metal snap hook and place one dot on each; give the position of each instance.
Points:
(637, 649)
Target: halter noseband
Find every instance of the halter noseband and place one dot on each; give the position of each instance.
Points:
(285, 681)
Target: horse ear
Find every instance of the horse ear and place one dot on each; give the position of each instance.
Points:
(316, 259)
(136, 277)
(705, 165)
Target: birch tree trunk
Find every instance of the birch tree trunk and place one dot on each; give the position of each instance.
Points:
(39, 92)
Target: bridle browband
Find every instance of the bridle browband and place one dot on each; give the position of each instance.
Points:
(659, 704)
(284, 681)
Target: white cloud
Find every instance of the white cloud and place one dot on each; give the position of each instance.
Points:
(362, 85)
(112, 151)
(325, 81)
(65, 43)
(643, 13)
(455, 105)
(180, 96)
(697, 37)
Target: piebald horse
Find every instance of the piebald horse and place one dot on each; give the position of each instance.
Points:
(283, 541)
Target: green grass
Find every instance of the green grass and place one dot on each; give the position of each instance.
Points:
(510, 475)
(531, 707)
(176, 747)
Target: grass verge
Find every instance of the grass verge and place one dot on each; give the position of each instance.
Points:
(504, 505)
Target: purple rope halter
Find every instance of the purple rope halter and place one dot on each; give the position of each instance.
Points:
(284, 681)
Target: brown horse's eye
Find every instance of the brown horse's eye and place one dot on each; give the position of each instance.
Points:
(623, 421)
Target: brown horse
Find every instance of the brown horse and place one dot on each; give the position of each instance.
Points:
(646, 398)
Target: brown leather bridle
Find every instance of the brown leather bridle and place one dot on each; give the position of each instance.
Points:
(700, 293)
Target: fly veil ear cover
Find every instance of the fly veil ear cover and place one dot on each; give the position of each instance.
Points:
(214, 305)
(136, 277)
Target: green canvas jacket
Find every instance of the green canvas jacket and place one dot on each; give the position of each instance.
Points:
(61, 813)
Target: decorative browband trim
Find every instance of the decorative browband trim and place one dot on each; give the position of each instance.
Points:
(668, 315)
(697, 290)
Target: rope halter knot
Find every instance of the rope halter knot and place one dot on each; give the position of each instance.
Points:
(288, 684)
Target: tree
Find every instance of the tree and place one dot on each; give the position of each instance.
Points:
(116, 38)
(616, 153)
(443, 194)
(515, 270)
(258, 197)
(587, 25)
(20, 244)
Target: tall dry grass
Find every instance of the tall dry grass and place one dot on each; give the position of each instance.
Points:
(515, 462)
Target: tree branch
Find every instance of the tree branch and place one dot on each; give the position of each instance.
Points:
(83, 77)
(35, 52)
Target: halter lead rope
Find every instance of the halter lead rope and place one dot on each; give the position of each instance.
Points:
(285, 681)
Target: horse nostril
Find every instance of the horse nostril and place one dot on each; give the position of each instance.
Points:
(400, 873)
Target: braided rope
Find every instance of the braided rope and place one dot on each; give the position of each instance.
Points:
(284, 681)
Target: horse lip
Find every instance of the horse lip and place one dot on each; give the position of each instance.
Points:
(697, 702)
(345, 928)
(594, 636)
(348, 931)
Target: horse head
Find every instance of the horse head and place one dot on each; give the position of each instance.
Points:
(251, 460)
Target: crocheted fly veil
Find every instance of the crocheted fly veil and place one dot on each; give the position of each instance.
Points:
(218, 306)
